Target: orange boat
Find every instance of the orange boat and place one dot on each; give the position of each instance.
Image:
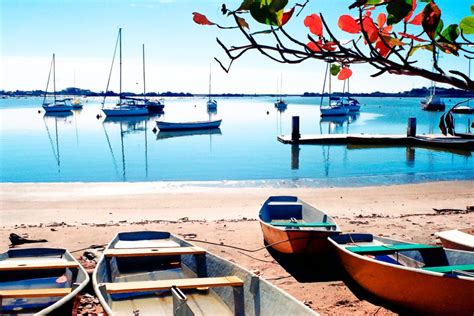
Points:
(292, 226)
(461, 239)
(413, 277)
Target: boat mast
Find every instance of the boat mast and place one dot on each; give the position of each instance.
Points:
(210, 82)
(47, 82)
(324, 84)
(144, 87)
(54, 78)
(329, 74)
(120, 51)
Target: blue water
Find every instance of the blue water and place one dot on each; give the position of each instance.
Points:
(80, 147)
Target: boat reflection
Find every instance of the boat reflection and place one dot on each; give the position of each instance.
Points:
(173, 134)
(55, 117)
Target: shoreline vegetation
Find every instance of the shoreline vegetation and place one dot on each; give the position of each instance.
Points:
(72, 91)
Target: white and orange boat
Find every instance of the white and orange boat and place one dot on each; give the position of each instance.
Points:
(292, 226)
(416, 278)
(461, 239)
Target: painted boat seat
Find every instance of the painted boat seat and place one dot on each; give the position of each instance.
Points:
(28, 293)
(33, 265)
(447, 269)
(390, 248)
(153, 252)
(160, 285)
(291, 224)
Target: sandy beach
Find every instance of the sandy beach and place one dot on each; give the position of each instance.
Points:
(77, 215)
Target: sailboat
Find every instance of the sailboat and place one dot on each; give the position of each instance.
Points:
(432, 102)
(211, 103)
(125, 107)
(280, 104)
(352, 103)
(335, 106)
(153, 106)
(58, 105)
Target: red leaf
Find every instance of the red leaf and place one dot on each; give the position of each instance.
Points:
(382, 48)
(381, 19)
(201, 19)
(329, 46)
(287, 16)
(417, 19)
(431, 18)
(344, 74)
(314, 23)
(413, 7)
(313, 47)
(413, 37)
(348, 24)
(370, 28)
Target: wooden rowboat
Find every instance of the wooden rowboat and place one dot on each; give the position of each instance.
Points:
(414, 277)
(156, 273)
(39, 281)
(462, 239)
(292, 226)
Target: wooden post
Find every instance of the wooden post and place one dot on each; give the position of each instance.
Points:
(295, 128)
(411, 128)
(295, 157)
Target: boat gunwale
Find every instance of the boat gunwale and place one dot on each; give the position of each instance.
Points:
(401, 267)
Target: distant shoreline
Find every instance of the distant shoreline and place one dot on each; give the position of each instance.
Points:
(415, 93)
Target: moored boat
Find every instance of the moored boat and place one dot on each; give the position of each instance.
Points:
(39, 281)
(58, 105)
(463, 109)
(413, 277)
(292, 226)
(461, 239)
(433, 103)
(156, 273)
(179, 126)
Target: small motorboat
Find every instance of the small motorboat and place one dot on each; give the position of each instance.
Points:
(178, 126)
(39, 281)
(460, 239)
(76, 104)
(156, 273)
(463, 109)
(418, 278)
(292, 226)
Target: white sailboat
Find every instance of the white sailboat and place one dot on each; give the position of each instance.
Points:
(432, 102)
(335, 106)
(280, 104)
(125, 107)
(211, 103)
(58, 105)
(352, 103)
(153, 106)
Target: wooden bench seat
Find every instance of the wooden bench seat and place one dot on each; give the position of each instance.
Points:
(447, 269)
(28, 293)
(291, 224)
(390, 248)
(191, 283)
(145, 252)
(32, 265)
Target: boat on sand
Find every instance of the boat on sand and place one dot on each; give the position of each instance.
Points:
(461, 239)
(417, 278)
(292, 226)
(39, 281)
(156, 273)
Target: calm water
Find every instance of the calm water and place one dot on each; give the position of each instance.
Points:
(80, 147)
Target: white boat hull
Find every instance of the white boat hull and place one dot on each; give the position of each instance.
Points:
(334, 111)
(57, 108)
(126, 111)
(172, 126)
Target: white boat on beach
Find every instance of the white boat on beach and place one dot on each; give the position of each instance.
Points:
(461, 239)
(58, 105)
(176, 126)
(124, 107)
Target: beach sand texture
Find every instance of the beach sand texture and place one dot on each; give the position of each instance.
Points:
(77, 215)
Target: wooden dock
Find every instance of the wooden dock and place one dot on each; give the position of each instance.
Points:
(428, 140)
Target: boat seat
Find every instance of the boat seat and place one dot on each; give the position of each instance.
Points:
(28, 293)
(285, 210)
(291, 224)
(32, 265)
(150, 252)
(447, 269)
(191, 283)
(390, 248)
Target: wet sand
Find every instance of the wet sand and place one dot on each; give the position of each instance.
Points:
(77, 215)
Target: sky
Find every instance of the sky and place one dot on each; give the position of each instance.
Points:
(82, 34)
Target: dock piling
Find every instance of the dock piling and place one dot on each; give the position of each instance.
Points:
(295, 128)
(411, 128)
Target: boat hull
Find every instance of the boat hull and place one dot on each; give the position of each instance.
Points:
(122, 111)
(57, 108)
(334, 111)
(170, 126)
(407, 288)
(462, 239)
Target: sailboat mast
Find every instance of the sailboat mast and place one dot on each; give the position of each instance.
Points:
(329, 74)
(210, 78)
(120, 50)
(144, 87)
(54, 78)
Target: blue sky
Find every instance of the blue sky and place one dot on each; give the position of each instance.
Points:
(83, 33)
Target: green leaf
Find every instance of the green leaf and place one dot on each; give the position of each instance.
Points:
(467, 25)
(268, 12)
(335, 69)
(373, 2)
(397, 10)
(472, 8)
(439, 28)
(450, 33)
